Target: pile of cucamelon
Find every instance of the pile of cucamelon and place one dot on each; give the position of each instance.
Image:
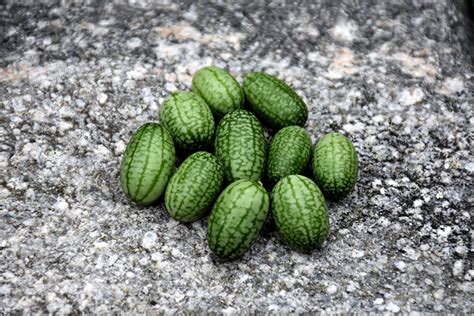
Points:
(240, 161)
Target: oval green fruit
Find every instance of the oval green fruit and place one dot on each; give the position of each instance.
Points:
(147, 163)
(189, 120)
(335, 165)
(237, 218)
(219, 89)
(300, 213)
(273, 101)
(290, 153)
(193, 189)
(240, 145)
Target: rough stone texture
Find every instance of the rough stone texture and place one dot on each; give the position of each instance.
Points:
(76, 81)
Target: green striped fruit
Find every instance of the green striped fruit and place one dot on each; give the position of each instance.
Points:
(189, 120)
(237, 218)
(194, 187)
(240, 145)
(290, 152)
(300, 213)
(273, 101)
(219, 89)
(147, 164)
(335, 165)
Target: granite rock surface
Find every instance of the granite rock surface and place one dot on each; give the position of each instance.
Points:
(77, 79)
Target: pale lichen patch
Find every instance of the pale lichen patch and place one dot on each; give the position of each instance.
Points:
(451, 85)
(342, 65)
(417, 67)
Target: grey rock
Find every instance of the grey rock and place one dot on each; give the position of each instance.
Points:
(76, 80)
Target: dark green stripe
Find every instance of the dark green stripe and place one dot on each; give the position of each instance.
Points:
(136, 141)
(209, 184)
(245, 240)
(195, 86)
(212, 71)
(176, 105)
(226, 212)
(159, 173)
(237, 227)
(261, 107)
(300, 216)
(144, 169)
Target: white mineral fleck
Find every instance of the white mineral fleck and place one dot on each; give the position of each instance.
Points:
(376, 183)
(134, 42)
(392, 183)
(102, 98)
(401, 266)
(65, 125)
(138, 73)
(458, 267)
(102, 151)
(410, 96)
(331, 289)
(392, 307)
(149, 240)
(418, 203)
(344, 30)
(119, 147)
(5, 289)
(469, 166)
(461, 249)
(191, 14)
(73, 213)
(351, 287)
(170, 87)
(351, 128)
(444, 232)
(438, 294)
(397, 119)
(4, 192)
(101, 246)
(61, 205)
(156, 256)
(357, 253)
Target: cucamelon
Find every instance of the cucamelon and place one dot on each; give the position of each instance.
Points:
(300, 213)
(274, 102)
(240, 145)
(194, 187)
(219, 89)
(290, 153)
(147, 163)
(188, 119)
(237, 218)
(335, 165)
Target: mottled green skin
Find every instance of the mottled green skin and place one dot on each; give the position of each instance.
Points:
(300, 213)
(193, 189)
(189, 120)
(219, 89)
(240, 145)
(147, 164)
(237, 218)
(335, 165)
(273, 101)
(290, 153)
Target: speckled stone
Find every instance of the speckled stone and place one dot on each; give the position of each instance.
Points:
(77, 80)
